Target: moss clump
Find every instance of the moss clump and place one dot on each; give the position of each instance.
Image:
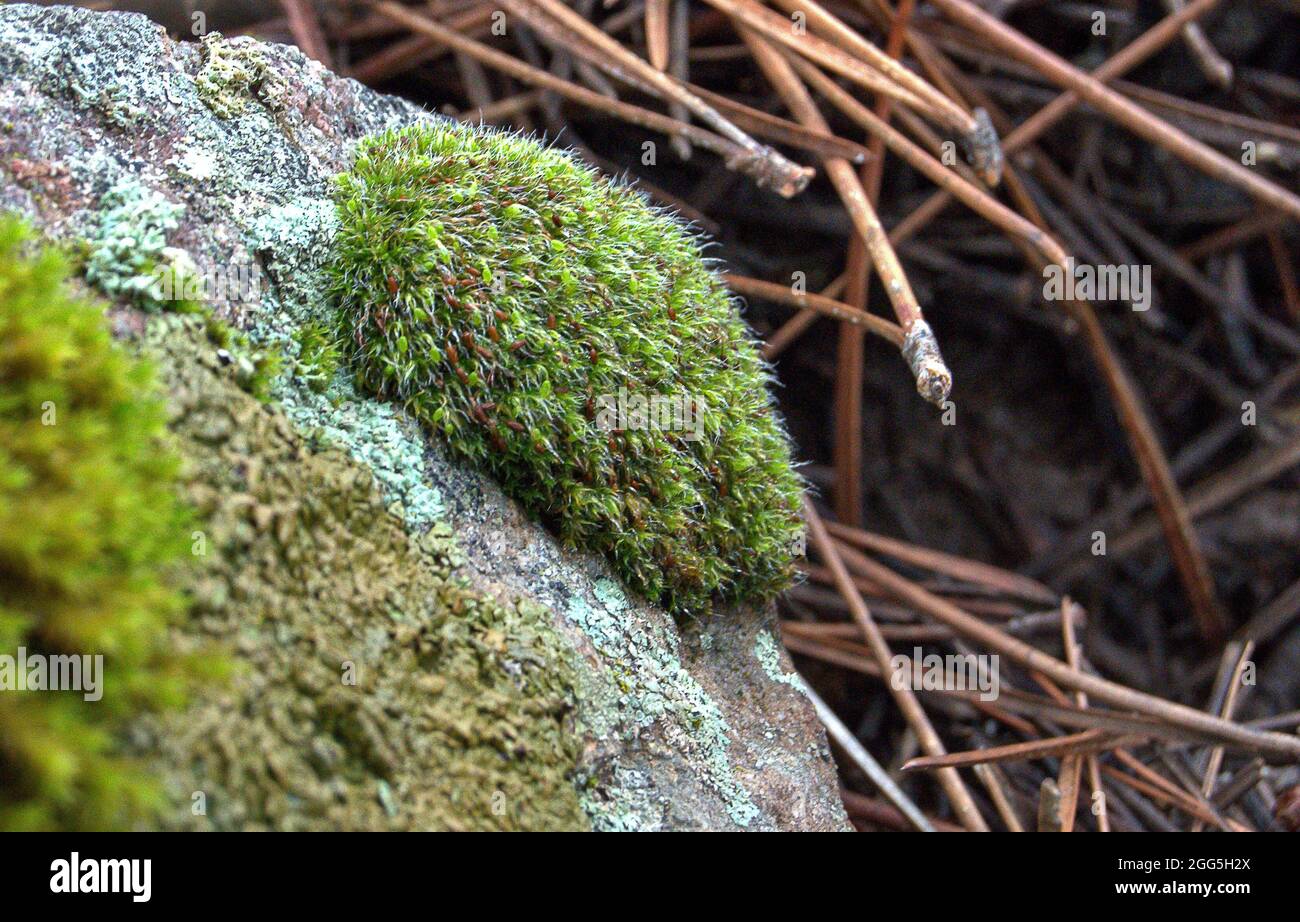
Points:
(318, 354)
(559, 331)
(89, 527)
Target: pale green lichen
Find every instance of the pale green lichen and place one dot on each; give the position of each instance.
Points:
(296, 237)
(194, 163)
(128, 256)
(295, 240)
(628, 802)
(75, 76)
(654, 687)
(375, 435)
(769, 658)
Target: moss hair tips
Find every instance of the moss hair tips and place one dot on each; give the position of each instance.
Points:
(554, 328)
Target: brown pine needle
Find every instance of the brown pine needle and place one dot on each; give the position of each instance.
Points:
(971, 571)
(656, 32)
(1073, 653)
(962, 801)
(1275, 745)
(933, 379)
(304, 25)
(975, 130)
(746, 158)
(1113, 104)
(566, 29)
(750, 15)
(1089, 741)
(827, 307)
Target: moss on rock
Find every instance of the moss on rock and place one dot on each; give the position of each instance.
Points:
(376, 689)
(372, 687)
(92, 541)
(318, 355)
(556, 329)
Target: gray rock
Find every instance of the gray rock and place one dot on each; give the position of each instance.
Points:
(219, 157)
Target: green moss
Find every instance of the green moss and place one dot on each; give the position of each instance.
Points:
(318, 354)
(90, 528)
(256, 369)
(257, 374)
(514, 301)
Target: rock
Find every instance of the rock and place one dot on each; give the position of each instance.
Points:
(329, 512)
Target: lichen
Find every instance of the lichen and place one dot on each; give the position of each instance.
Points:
(769, 657)
(231, 74)
(297, 238)
(195, 163)
(511, 300)
(93, 542)
(128, 256)
(627, 801)
(375, 435)
(115, 102)
(653, 688)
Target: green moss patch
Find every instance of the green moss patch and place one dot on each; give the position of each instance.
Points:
(90, 526)
(556, 329)
(318, 355)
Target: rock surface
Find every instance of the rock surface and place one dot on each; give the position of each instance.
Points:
(218, 157)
